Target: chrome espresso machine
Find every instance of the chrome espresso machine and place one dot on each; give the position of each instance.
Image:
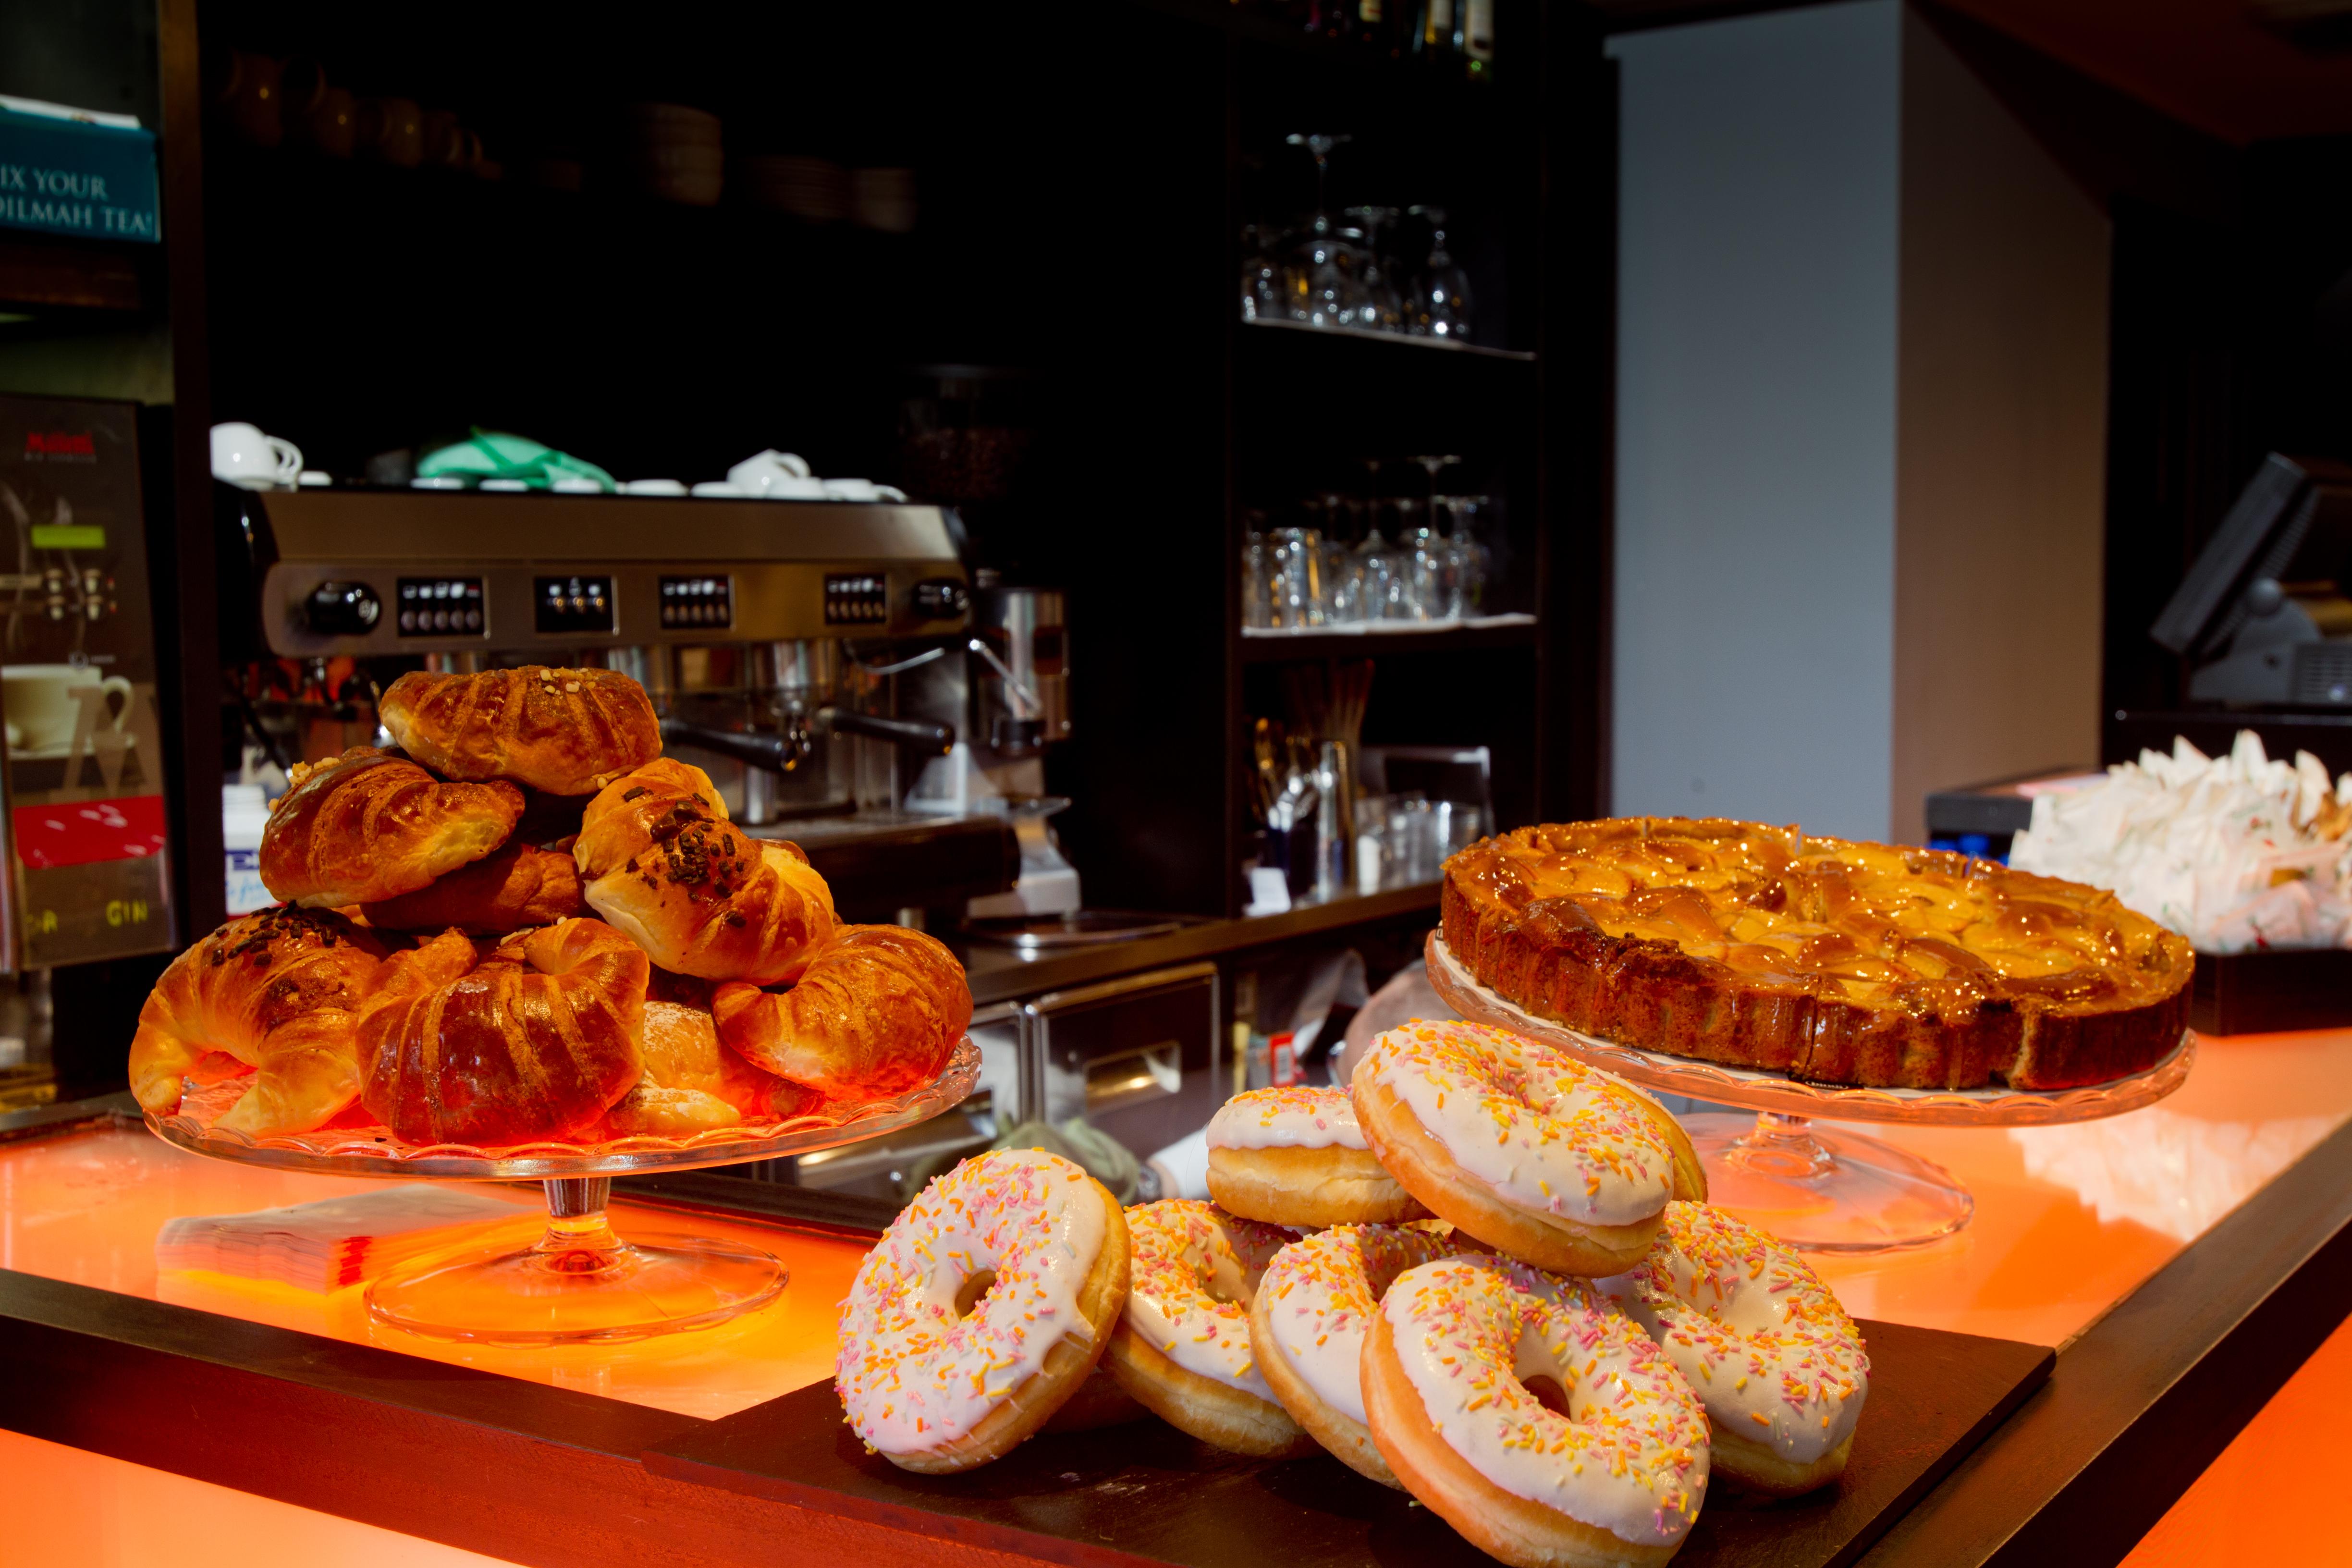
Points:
(772, 637)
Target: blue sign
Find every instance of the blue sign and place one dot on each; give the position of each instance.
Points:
(69, 177)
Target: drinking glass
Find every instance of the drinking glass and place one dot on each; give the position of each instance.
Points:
(1257, 580)
(1468, 560)
(1441, 299)
(1384, 581)
(1262, 298)
(1298, 572)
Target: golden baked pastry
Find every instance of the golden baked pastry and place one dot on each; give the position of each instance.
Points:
(512, 888)
(369, 824)
(692, 1083)
(567, 731)
(705, 899)
(879, 1011)
(532, 1040)
(1834, 962)
(277, 991)
(620, 820)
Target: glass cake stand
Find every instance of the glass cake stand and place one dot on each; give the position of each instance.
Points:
(1817, 1188)
(580, 1281)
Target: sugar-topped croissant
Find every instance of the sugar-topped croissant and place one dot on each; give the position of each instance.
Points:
(280, 991)
(372, 825)
(533, 1038)
(879, 1011)
(562, 730)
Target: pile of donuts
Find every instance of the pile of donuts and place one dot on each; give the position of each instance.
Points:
(523, 924)
(1483, 1273)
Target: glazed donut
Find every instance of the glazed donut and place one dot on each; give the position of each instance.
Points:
(1295, 1156)
(1542, 1425)
(984, 1306)
(1774, 1359)
(1183, 1346)
(1308, 1322)
(1524, 1147)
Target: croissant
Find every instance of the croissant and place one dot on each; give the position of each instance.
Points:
(514, 888)
(878, 1012)
(532, 1039)
(368, 825)
(620, 821)
(280, 991)
(705, 899)
(692, 1083)
(567, 731)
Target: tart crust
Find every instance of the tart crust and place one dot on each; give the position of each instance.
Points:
(1832, 961)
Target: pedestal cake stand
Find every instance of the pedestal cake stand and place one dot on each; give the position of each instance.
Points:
(1818, 1188)
(580, 1281)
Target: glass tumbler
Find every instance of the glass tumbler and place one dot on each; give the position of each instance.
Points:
(1296, 570)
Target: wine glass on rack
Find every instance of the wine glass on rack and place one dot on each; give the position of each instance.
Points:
(1441, 301)
(1384, 302)
(1324, 283)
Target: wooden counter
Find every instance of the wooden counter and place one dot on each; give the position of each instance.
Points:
(2183, 1261)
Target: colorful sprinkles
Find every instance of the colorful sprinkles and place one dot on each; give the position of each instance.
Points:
(912, 1374)
(1773, 1355)
(1193, 1269)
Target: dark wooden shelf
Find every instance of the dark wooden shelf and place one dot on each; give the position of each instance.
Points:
(1291, 647)
(1398, 341)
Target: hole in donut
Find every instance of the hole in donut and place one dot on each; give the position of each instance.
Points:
(968, 1296)
(1548, 1392)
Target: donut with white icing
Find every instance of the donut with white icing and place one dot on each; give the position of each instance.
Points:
(1772, 1355)
(983, 1309)
(1295, 1157)
(1183, 1346)
(1533, 1417)
(1523, 1146)
(1308, 1319)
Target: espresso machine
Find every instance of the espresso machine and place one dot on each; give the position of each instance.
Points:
(774, 638)
(1010, 697)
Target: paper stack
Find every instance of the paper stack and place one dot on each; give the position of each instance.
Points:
(333, 1243)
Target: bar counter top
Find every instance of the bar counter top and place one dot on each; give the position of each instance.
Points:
(2182, 1261)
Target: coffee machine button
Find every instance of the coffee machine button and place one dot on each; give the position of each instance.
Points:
(940, 599)
(342, 610)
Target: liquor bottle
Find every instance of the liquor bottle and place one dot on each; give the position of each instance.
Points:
(1375, 31)
(1478, 39)
(1441, 36)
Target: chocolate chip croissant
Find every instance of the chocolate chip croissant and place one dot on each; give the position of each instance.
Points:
(698, 893)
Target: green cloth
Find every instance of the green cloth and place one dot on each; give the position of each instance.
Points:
(497, 455)
(1092, 1150)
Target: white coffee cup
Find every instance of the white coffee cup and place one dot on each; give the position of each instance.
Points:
(44, 705)
(244, 455)
(771, 473)
(861, 490)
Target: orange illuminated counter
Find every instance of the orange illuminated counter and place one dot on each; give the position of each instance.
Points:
(2184, 1261)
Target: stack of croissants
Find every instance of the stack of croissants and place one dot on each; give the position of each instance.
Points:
(524, 925)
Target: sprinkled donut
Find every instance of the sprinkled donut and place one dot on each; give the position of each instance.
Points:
(1183, 1346)
(983, 1308)
(1773, 1357)
(1524, 1147)
(1307, 1323)
(1295, 1157)
(1542, 1425)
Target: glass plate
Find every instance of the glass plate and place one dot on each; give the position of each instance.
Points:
(1756, 1088)
(375, 1151)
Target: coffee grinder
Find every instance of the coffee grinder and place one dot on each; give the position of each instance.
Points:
(1009, 697)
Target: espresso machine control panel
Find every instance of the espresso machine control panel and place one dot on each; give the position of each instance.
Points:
(374, 572)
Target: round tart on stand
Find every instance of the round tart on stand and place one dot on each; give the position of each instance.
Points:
(1803, 977)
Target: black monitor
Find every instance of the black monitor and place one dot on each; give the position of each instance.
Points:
(2291, 529)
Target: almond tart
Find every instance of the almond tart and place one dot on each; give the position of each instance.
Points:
(1831, 961)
